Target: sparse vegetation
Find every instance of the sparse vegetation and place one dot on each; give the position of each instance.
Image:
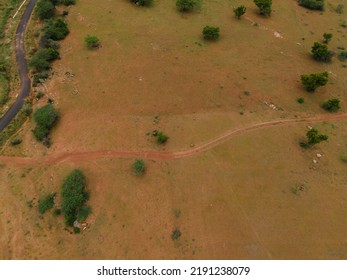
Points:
(320, 52)
(46, 203)
(342, 56)
(327, 37)
(340, 8)
(332, 105)
(74, 197)
(91, 41)
(312, 4)
(210, 33)
(176, 234)
(313, 137)
(264, 6)
(187, 5)
(239, 11)
(139, 167)
(300, 100)
(312, 81)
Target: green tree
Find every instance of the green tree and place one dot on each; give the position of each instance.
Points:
(313, 137)
(332, 105)
(161, 137)
(74, 197)
(321, 52)
(264, 6)
(187, 5)
(312, 81)
(239, 11)
(46, 116)
(45, 9)
(139, 167)
(327, 37)
(210, 33)
(92, 41)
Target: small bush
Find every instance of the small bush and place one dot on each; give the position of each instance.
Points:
(92, 42)
(239, 11)
(27, 109)
(300, 100)
(139, 167)
(264, 6)
(46, 203)
(187, 5)
(332, 105)
(312, 4)
(16, 141)
(76, 230)
(210, 33)
(313, 137)
(327, 37)
(344, 158)
(320, 52)
(176, 234)
(143, 2)
(161, 137)
(343, 56)
(312, 81)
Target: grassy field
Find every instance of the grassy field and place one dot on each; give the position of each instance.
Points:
(256, 195)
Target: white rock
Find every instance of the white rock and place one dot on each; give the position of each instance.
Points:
(319, 155)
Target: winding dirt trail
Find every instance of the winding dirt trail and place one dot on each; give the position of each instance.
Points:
(83, 156)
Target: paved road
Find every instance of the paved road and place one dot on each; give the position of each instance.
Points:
(22, 67)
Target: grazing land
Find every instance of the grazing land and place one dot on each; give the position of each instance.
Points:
(231, 177)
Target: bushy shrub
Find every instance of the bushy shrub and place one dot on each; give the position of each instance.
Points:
(139, 167)
(55, 29)
(332, 105)
(312, 81)
(39, 64)
(46, 203)
(40, 133)
(210, 33)
(300, 100)
(321, 52)
(73, 197)
(313, 137)
(46, 116)
(142, 2)
(187, 5)
(44, 9)
(92, 41)
(264, 6)
(312, 4)
(239, 11)
(83, 213)
(343, 56)
(16, 141)
(176, 234)
(327, 37)
(161, 137)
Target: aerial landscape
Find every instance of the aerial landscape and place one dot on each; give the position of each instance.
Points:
(173, 129)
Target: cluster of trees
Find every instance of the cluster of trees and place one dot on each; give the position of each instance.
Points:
(74, 197)
(45, 119)
(312, 4)
(54, 30)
